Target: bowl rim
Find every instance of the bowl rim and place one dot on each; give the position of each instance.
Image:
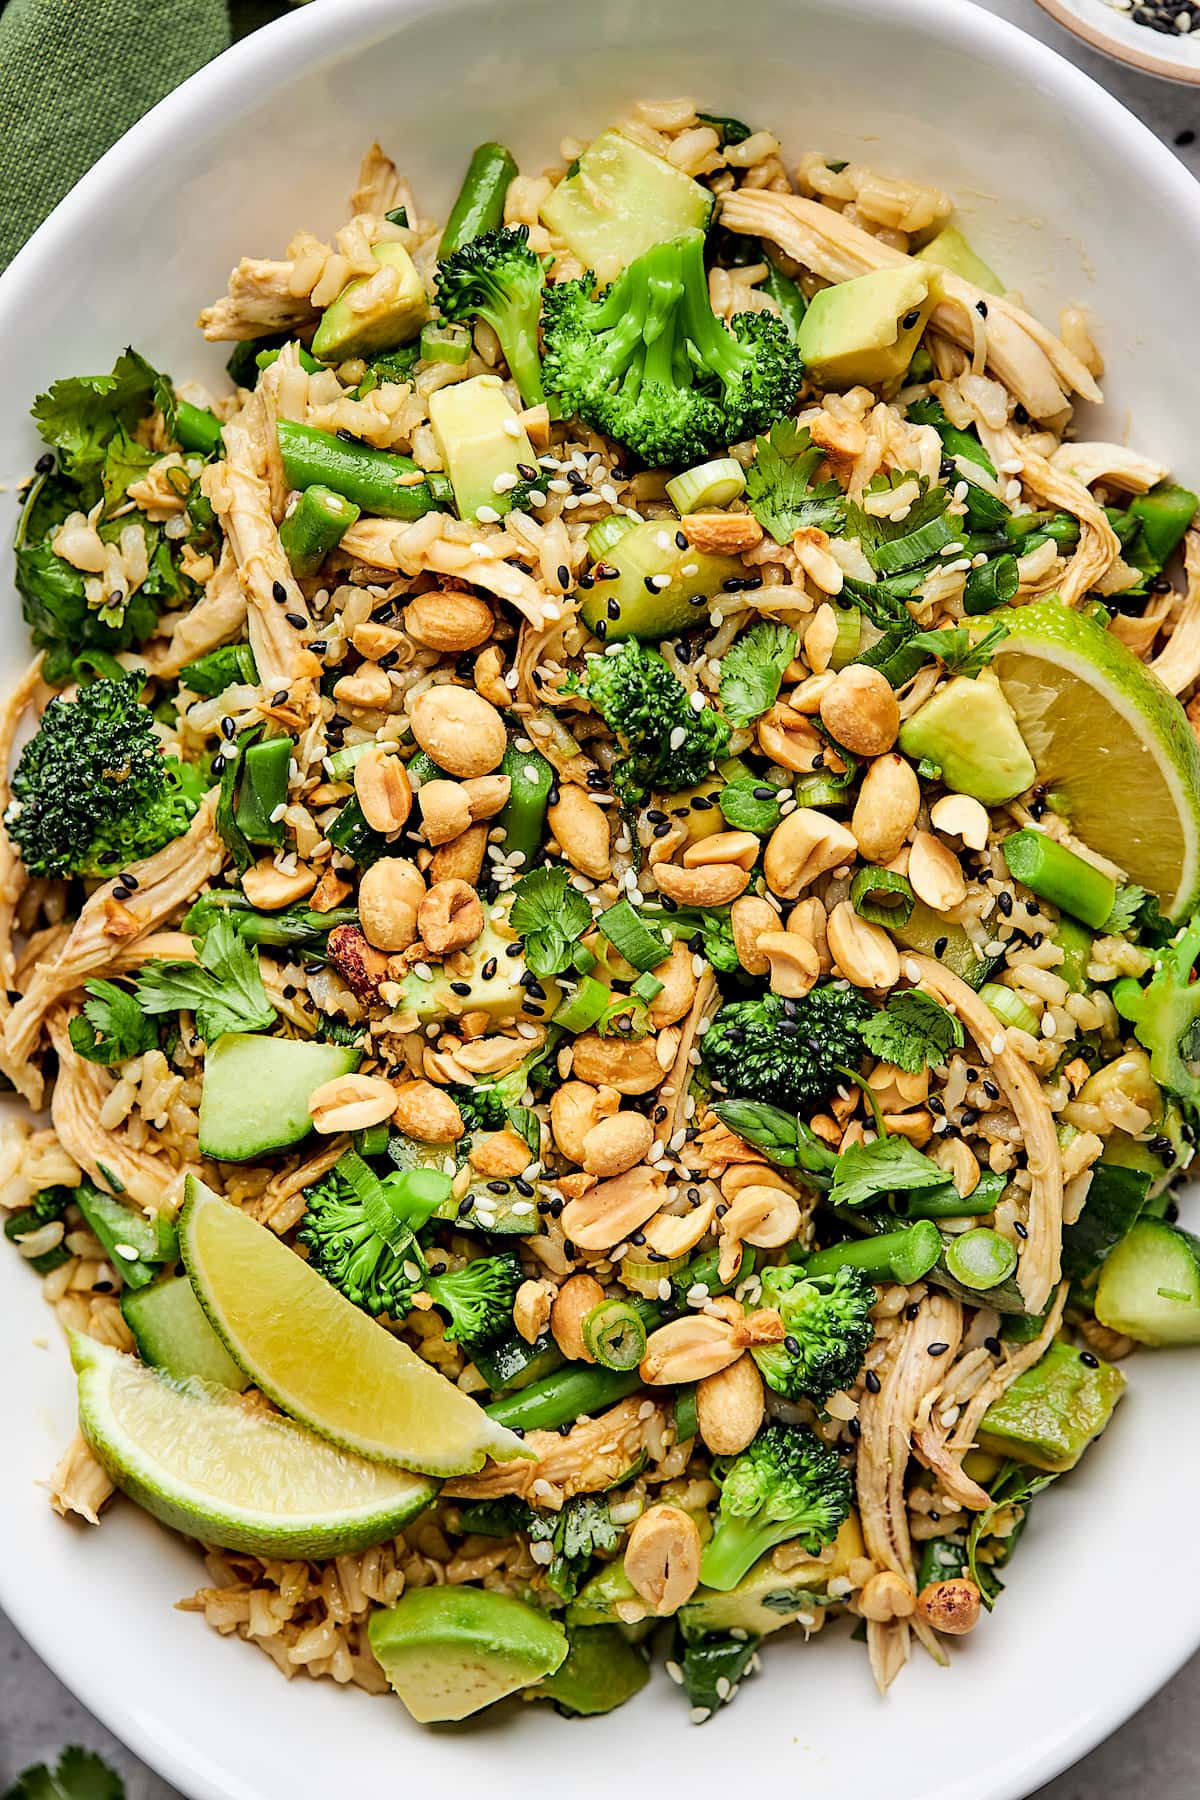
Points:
(256, 64)
(1110, 45)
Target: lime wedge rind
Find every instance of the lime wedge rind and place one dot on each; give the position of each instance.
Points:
(201, 1461)
(320, 1359)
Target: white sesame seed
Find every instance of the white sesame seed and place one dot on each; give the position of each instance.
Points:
(697, 701)
(510, 427)
(723, 1686)
(674, 1673)
(278, 812)
(126, 1252)
(661, 581)
(998, 1044)
(664, 1289)
(505, 482)
(512, 680)
(422, 971)
(698, 1714)
(690, 568)
(663, 540)
(487, 515)
(677, 738)
(911, 970)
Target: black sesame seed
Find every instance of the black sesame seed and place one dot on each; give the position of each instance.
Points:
(564, 575)
(993, 1344)
(279, 592)
(940, 946)
(296, 619)
(873, 1382)
(1088, 1360)
(318, 646)
(601, 630)
(1005, 903)
(981, 308)
(569, 1250)
(910, 1312)
(938, 1349)
(228, 728)
(792, 1345)
(613, 609)
(990, 1089)
(45, 461)
(909, 320)
(280, 698)
(681, 542)
(460, 987)
(855, 1428)
(650, 584)
(1020, 1229)
(218, 765)
(489, 969)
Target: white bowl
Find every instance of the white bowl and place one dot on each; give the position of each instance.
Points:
(1072, 199)
(1174, 56)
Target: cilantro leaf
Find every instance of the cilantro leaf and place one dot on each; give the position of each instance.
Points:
(125, 461)
(913, 1031)
(80, 415)
(864, 1172)
(1126, 907)
(577, 1533)
(779, 484)
(1015, 1487)
(892, 546)
(223, 987)
(953, 647)
(112, 1026)
(712, 1667)
(79, 1776)
(753, 670)
(551, 916)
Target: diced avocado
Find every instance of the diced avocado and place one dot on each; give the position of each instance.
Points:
(1129, 1076)
(621, 199)
(766, 1598)
(256, 1090)
(172, 1333)
(969, 730)
(601, 1671)
(480, 438)
(950, 250)
(1051, 1413)
(627, 605)
(864, 332)
(122, 1228)
(448, 1651)
(493, 982)
(1150, 1286)
(608, 1598)
(348, 330)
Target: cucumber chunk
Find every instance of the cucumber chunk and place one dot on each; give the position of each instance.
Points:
(1149, 1287)
(256, 1092)
(172, 1333)
(629, 600)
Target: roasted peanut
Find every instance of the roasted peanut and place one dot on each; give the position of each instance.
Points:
(949, 1606)
(789, 739)
(459, 729)
(961, 816)
(449, 622)
(862, 952)
(382, 786)
(368, 687)
(531, 1309)
(575, 1108)
(582, 830)
(631, 1068)
(737, 847)
(820, 638)
(805, 845)
(445, 810)
(678, 990)
(351, 1103)
(487, 795)
(449, 917)
(489, 676)
(960, 1163)
(674, 1234)
(886, 1596)
(426, 1113)
(794, 963)
(617, 1143)
(688, 1349)
(808, 920)
(499, 1153)
(764, 1216)
(887, 807)
(269, 889)
(573, 1301)
(373, 640)
(662, 1558)
(896, 1089)
(750, 917)
(715, 885)
(358, 963)
(861, 711)
(462, 858)
(935, 873)
(388, 897)
(608, 1212)
(811, 546)
(721, 534)
(739, 1176)
(729, 1407)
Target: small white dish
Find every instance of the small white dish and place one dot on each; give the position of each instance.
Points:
(1112, 29)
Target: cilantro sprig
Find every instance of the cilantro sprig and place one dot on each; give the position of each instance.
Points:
(780, 490)
(223, 987)
(913, 1031)
(550, 916)
(752, 671)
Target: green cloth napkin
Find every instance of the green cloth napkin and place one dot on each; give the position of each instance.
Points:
(76, 74)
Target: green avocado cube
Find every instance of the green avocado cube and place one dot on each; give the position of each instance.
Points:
(969, 730)
(1051, 1413)
(862, 333)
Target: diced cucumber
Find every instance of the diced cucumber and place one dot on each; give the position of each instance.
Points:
(172, 1333)
(659, 586)
(930, 934)
(620, 200)
(1149, 1287)
(493, 1206)
(256, 1091)
(512, 1363)
(123, 1229)
(1114, 1202)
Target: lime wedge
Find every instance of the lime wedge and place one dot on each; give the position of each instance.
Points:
(321, 1359)
(203, 1462)
(1113, 749)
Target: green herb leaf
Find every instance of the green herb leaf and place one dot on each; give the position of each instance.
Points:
(779, 484)
(892, 546)
(79, 1776)
(748, 804)
(1013, 1486)
(913, 1031)
(550, 915)
(752, 671)
(112, 1026)
(82, 414)
(223, 987)
(1126, 907)
(712, 1666)
(953, 647)
(865, 1172)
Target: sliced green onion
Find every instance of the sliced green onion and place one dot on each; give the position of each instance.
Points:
(642, 948)
(647, 988)
(981, 1258)
(882, 896)
(219, 669)
(615, 1335)
(687, 1416)
(445, 343)
(340, 765)
(1009, 1008)
(849, 636)
(607, 532)
(993, 584)
(414, 1195)
(263, 791)
(372, 1140)
(1054, 873)
(709, 484)
(915, 547)
(585, 1007)
(642, 1277)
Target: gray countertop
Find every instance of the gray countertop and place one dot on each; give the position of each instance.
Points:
(1158, 1753)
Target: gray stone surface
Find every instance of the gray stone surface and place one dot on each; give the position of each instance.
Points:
(1157, 1755)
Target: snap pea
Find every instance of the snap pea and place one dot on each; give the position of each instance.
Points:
(378, 481)
(197, 428)
(315, 527)
(480, 203)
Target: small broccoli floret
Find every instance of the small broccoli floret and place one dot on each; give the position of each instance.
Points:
(1166, 1014)
(789, 1053)
(649, 362)
(827, 1322)
(93, 791)
(343, 1246)
(486, 1106)
(497, 277)
(479, 1299)
(640, 698)
(788, 1484)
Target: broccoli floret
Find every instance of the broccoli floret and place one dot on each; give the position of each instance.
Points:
(1165, 1014)
(479, 1299)
(46, 1208)
(789, 1053)
(379, 1274)
(643, 701)
(486, 1106)
(649, 362)
(93, 791)
(788, 1484)
(497, 277)
(827, 1322)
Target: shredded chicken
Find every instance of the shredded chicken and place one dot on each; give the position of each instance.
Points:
(1178, 666)
(379, 184)
(1041, 1253)
(592, 1456)
(1015, 1358)
(30, 693)
(214, 620)
(387, 544)
(106, 932)
(79, 1484)
(115, 1164)
(1099, 546)
(259, 301)
(1035, 366)
(1113, 464)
